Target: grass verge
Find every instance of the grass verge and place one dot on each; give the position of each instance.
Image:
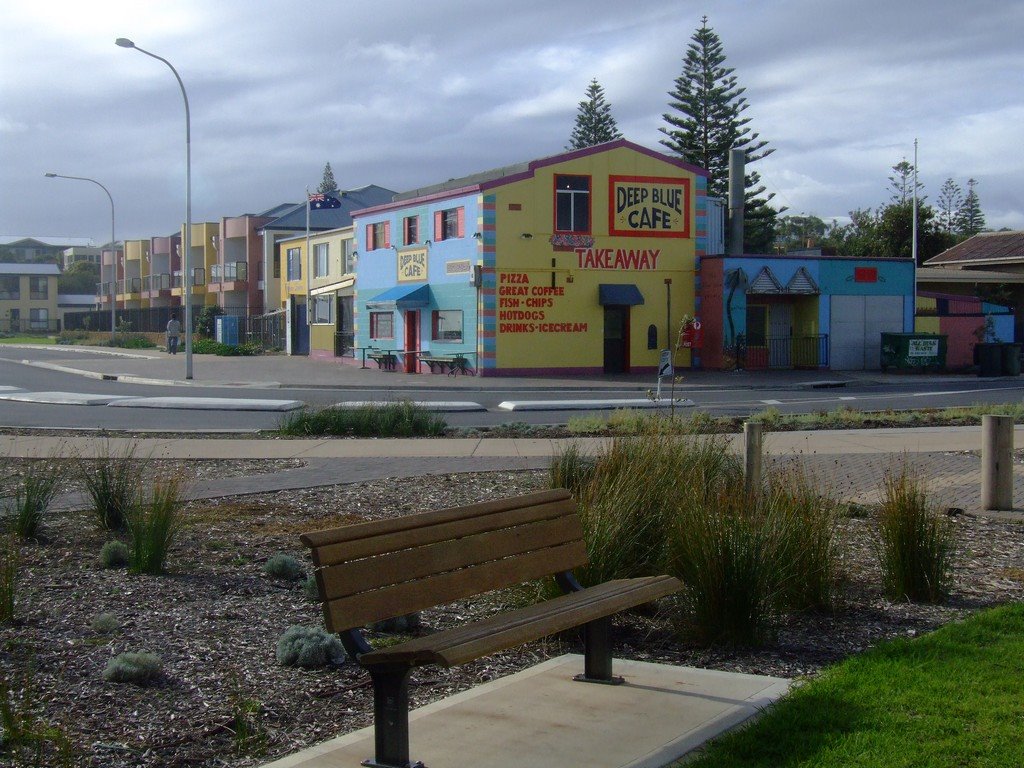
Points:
(944, 700)
(399, 419)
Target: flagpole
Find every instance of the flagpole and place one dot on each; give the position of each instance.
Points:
(309, 265)
(913, 234)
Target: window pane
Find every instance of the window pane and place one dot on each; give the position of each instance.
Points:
(381, 325)
(448, 326)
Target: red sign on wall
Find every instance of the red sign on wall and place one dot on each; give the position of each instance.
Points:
(692, 336)
(865, 274)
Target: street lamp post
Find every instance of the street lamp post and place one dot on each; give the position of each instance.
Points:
(113, 247)
(186, 259)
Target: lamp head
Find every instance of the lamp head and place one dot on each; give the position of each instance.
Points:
(50, 175)
(124, 42)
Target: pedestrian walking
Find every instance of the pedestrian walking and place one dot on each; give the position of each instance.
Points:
(173, 330)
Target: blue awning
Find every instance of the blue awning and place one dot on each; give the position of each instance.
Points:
(417, 295)
(626, 294)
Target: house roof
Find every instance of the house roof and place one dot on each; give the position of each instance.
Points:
(46, 242)
(509, 173)
(9, 268)
(984, 248)
(966, 276)
(293, 219)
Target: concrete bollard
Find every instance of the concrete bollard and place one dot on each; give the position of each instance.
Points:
(751, 456)
(997, 462)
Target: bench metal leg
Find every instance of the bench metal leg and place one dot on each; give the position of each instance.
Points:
(391, 717)
(597, 664)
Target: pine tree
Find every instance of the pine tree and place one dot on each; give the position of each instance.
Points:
(950, 199)
(901, 183)
(706, 122)
(594, 121)
(327, 184)
(970, 219)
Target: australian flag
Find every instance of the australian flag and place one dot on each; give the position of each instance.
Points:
(320, 201)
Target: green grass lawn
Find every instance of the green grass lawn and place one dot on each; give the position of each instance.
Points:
(954, 697)
(28, 340)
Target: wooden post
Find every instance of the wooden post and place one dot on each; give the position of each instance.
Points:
(751, 456)
(997, 462)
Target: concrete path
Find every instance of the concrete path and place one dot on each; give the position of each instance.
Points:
(542, 717)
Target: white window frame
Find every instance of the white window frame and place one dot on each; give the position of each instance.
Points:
(321, 260)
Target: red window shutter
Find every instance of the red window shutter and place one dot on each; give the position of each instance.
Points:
(387, 234)
(370, 245)
(405, 229)
(433, 324)
(438, 225)
(461, 219)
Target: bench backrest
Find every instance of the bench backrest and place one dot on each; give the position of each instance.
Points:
(372, 571)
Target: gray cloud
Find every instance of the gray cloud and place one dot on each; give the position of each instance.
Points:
(407, 94)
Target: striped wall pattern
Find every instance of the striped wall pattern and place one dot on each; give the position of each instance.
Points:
(488, 316)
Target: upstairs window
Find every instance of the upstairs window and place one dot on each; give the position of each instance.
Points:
(449, 224)
(38, 288)
(378, 235)
(294, 264)
(10, 287)
(572, 204)
(320, 253)
(410, 230)
(348, 256)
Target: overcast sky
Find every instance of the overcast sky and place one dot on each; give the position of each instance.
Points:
(406, 94)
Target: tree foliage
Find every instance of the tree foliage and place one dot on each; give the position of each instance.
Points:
(706, 121)
(80, 277)
(970, 219)
(594, 121)
(950, 199)
(327, 184)
(902, 182)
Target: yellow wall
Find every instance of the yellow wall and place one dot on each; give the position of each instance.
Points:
(25, 303)
(293, 287)
(572, 306)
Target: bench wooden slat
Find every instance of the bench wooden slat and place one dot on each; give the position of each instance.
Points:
(508, 630)
(315, 539)
(371, 573)
(374, 541)
(396, 600)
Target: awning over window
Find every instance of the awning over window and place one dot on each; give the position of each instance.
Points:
(402, 296)
(627, 294)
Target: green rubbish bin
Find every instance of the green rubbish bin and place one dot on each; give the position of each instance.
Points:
(913, 351)
(990, 358)
(1011, 359)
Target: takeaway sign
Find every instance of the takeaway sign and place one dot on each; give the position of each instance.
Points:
(648, 206)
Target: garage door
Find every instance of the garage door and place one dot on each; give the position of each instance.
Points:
(857, 323)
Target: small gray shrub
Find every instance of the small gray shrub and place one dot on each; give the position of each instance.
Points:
(399, 625)
(283, 566)
(309, 647)
(311, 589)
(135, 668)
(115, 554)
(105, 624)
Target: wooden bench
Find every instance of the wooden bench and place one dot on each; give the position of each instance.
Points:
(454, 363)
(372, 571)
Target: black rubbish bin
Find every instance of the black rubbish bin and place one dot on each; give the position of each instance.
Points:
(990, 359)
(1011, 359)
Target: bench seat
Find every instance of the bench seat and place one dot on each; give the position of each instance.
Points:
(513, 628)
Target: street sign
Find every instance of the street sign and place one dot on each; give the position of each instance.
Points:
(665, 365)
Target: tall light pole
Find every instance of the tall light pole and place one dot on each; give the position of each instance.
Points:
(186, 259)
(113, 247)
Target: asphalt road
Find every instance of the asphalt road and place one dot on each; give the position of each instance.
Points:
(739, 399)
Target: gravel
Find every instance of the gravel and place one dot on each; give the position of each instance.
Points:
(215, 619)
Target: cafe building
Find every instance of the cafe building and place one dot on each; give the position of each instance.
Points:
(579, 263)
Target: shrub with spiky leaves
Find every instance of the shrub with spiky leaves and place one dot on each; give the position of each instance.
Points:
(112, 484)
(398, 419)
(916, 542)
(309, 647)
(33, 497)
(8, 576)
(154, 524)
(135, 668)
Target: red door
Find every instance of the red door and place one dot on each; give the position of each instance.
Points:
(412, 340)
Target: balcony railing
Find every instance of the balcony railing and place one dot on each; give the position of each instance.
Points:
(237, 271)
(129, 285)
(159, 282)
(215, 273)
